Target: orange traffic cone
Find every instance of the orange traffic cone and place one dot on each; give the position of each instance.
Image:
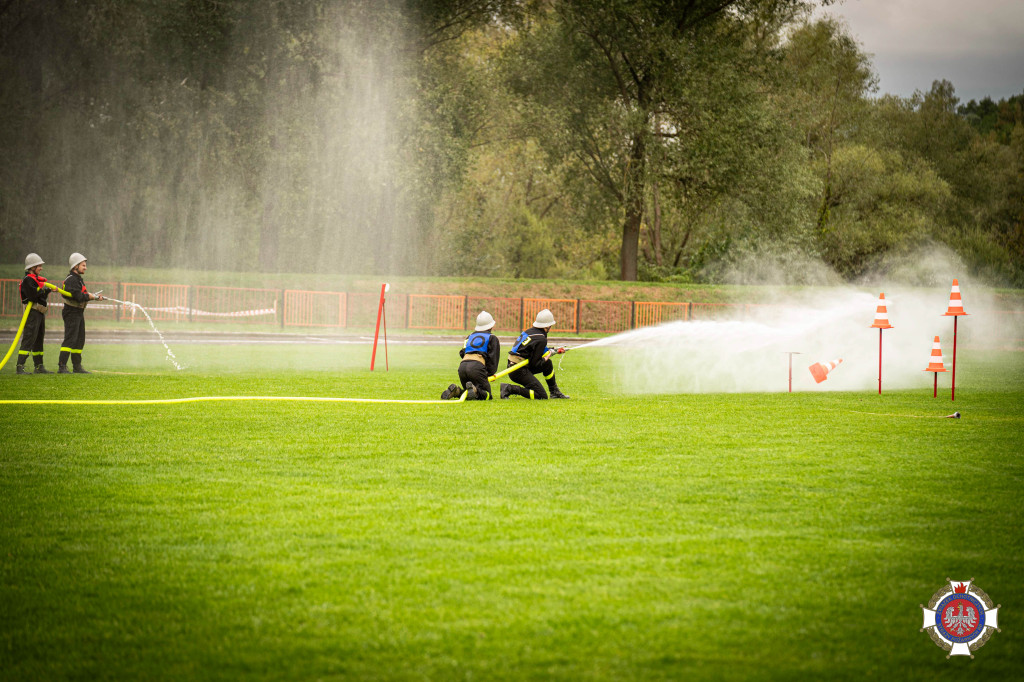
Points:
(956, 304)
(936, 365)
(936, 359)
(881, 315)
(820, 370)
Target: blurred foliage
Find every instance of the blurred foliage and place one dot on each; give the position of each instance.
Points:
(700, 141)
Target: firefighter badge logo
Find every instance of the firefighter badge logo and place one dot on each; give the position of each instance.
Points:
(960, 618)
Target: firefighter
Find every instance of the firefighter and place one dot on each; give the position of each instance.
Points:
(74, 316)
(33, 293)
(532, 345)
(480, 355)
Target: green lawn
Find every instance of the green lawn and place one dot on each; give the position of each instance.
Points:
(676, 537)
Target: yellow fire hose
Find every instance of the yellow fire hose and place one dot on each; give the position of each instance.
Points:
(17, 336)
(226, 398)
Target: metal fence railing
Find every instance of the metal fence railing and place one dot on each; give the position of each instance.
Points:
(297, 308)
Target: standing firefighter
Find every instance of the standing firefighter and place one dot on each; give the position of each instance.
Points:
(33, 293)
(480, 355)
(74, 316)
(531, 346)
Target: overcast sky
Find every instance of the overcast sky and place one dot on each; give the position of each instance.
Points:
(978, 45)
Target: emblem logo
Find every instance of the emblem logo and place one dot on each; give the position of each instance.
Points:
(960, 618)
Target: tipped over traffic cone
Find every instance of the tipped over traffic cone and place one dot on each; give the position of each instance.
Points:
(956, 304)
(881, 315)
(936, 359)
(820, 370)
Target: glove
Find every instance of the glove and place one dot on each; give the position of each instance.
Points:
(560, 350)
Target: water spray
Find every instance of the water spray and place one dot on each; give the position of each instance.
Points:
(171, 357)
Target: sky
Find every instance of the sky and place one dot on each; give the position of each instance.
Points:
(978, 45)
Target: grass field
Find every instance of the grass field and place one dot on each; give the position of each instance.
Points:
(673, 537)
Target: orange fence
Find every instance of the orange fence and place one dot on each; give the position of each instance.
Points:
(565, 310)
(315, 309)
(161, 301)
(507, 312)
(436, 312)
(232, 304)
(294, 308)
(606, 316)
(648, 314)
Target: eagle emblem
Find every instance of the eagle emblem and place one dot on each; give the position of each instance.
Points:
(960, 618)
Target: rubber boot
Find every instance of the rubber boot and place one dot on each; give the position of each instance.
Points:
(554, 391)
(41, 370)
(78, 369)
(21, 369)
(471, 393)
(504, 391)
(63, 369)
(451, 393)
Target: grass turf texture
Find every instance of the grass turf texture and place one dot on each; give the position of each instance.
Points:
(750, 536)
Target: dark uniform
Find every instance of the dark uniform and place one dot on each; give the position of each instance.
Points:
(74, 321)
(33, 293)
(480, 357)
(532, 345)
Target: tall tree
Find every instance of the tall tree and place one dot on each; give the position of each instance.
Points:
(615, 81)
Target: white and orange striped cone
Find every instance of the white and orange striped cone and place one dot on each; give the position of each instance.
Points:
(881, 315)
(881, 322)
(936, 365)
(820, 370)
(956, 304)
(955, 310)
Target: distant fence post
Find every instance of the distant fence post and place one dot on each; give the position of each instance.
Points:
(632, 314)
(522, 313)
(578, 306)
(190, 300)
(465, 312)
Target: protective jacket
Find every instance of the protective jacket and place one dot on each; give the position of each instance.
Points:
(531, 345)
(32, 289)
(75, 285)
(487, 346)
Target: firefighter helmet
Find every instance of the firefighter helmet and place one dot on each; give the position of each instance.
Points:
(544, 319)
(484, 322)
(75, 259)
(32, 260)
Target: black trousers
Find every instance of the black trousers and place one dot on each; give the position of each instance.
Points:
(32, 338)
(524, 377)
(473, 372)
(74, 335)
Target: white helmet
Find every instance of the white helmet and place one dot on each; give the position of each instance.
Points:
(484, 322)
(544, 319)
(75, 259)
(32, 260)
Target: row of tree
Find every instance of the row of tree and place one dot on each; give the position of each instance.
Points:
(694, 141)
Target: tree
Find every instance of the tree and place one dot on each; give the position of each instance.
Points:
(612, 85)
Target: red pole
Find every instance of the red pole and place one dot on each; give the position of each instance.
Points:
(790, 372)
(384, 314)
(952, 390)
(879, 362)
(935, 391)
(376, 333)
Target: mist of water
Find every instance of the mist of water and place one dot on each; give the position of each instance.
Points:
(750, 354)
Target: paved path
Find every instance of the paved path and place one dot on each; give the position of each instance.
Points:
(239, 338)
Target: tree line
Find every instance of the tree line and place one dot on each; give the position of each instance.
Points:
(691, 141)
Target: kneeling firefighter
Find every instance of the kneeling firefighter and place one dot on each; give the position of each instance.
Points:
(74, 316)
(33, 293)
(480, 355)
(531, 346)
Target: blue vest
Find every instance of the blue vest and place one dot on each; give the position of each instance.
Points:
(523, 339)
(477, 342)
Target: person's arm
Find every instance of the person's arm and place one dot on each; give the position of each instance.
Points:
(493, 355)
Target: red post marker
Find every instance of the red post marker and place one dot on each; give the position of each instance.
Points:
(791, 353)
(955, 310)
(376, 333)
(881, 322)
